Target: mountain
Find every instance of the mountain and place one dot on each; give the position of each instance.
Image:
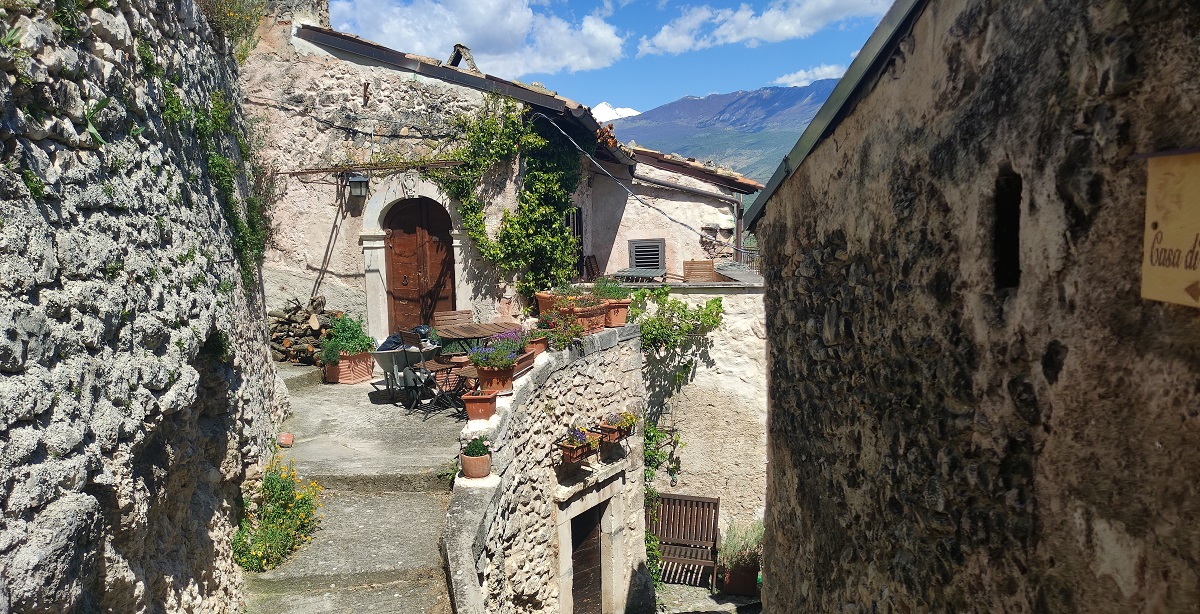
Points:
(605, 112)
(749, 132)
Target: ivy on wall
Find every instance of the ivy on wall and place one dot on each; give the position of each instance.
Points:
(533, 240)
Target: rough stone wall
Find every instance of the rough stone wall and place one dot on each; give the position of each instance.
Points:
(313, 114)
(522, 549)
(135, 387)
(721, 412)
(941, 438)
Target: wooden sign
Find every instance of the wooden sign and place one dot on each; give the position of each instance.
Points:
(1171, 252)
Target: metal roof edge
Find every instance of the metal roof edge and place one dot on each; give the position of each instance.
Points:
(869, 61)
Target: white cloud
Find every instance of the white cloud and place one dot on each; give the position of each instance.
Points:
(605, 112)
(854, 54)
(509, 38)
(700, 27)
(801, 78)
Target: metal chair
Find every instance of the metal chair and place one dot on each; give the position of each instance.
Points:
(409, 369)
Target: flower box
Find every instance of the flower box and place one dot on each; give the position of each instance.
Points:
(574, 453)
(591, 318)
(524, 363)
(349, 369)
(475, 466)
(612, 434)
(741, 581)
(618, 313)
(500, 380)
(538, 345)
(480, 404)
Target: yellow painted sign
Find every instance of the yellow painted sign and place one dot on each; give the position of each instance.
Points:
(1171, 252)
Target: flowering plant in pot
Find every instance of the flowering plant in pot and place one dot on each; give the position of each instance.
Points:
(345, 352)
(588, 308)
(578, 444)
(476, 458)
(539, 336)
(741, 557)
(496, 359)
(618, 299)
(617, 425)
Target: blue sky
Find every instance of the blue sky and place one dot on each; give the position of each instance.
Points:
(630, 53)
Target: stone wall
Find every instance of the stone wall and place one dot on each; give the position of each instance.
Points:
(135, 387)
(969, 415)
(311, 108)
(721, 411)
(505, 535)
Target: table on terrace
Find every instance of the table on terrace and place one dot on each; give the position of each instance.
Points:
(641, 274)
(469, 335)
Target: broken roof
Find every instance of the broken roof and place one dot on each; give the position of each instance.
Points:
(858, 81)
(532, 94)
(690, 167)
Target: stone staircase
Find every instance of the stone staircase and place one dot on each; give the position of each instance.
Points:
(384, 505)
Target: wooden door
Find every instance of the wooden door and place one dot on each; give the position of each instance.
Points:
(586, 574)
(420, 263)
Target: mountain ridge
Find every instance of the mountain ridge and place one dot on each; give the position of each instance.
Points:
(748, 130)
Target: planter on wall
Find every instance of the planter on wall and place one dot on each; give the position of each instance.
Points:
(574, 454)
(741, 581)
(475, 466)
(349, 369)
(590, 318)
(618, 312)
(545, 301)
(612, 434)
(500, 380)
(537, 346)
(481, 404)
(524, 363)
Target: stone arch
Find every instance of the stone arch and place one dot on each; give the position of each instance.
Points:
(386, 194)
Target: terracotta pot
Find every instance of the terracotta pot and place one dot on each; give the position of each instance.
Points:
(524, 363)
(475, 466)
(481, 404)
(618, 312)
(500, 380)
(537, 346)
(741, 581)
(591, 318)
(349, 369)
(545, 301)
(612, 434)
(574, 454)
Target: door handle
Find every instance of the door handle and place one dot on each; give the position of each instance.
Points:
(405, 281)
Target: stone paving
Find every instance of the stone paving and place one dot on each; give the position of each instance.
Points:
(384, 505)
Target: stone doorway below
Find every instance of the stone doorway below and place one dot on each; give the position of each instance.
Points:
(587, 574)
(420, 262)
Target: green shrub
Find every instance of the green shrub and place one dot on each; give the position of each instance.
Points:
(235, 19)
(345, 335)
(284, 520)
(741, 546)
(609, 288)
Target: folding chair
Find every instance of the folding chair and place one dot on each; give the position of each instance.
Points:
(699, 271)
(447, 318)
(422, 376)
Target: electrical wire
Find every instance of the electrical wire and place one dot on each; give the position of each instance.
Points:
(635, 196)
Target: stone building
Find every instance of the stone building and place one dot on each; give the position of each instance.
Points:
(972, 409)
(135, 388)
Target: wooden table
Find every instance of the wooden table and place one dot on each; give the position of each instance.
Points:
(465, 334)
(641, 274)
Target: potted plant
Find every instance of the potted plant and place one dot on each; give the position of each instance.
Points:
(345, 352)
(545, 300)
(563, 329)
(496, 359)
(539, 339)
(617, 425)
(741, 557)
(578, 444)
(618, 299)
(589, 309)
(476, 458)
(480, 404)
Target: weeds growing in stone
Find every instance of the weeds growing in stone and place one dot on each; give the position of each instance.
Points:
(280, 518)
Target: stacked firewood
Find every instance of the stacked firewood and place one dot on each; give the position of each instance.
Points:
(297, 330)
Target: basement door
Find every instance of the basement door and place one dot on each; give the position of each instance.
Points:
(586, 586)
(420, 263)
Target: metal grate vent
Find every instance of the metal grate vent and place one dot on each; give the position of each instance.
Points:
(647, 254)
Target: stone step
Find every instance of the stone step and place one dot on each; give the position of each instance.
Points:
(375, 552)
(299, 377)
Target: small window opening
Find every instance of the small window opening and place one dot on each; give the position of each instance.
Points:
(647, 254)
(1006, 230)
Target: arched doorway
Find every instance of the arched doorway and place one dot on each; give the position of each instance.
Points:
(420, 262)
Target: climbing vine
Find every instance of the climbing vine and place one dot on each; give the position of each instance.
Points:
(534, 239)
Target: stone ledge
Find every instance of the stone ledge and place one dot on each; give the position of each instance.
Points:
(596, 474)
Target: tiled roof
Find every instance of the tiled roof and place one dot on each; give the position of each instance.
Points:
(690, 167)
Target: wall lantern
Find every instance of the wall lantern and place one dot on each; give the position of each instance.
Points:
(358, 183)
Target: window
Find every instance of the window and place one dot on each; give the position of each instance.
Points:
(647, 254)
(1006, 229)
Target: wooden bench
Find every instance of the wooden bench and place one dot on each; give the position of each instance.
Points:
(687, 529)
(699, 271)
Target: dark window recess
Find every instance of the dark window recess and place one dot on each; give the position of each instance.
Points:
(647, 253)
(1006, 229)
